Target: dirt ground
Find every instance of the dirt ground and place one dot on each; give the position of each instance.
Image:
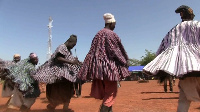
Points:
(131, 97)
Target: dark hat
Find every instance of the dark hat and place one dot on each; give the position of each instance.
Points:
(184, 8)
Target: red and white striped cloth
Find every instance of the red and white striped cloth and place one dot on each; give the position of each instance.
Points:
(107, 58)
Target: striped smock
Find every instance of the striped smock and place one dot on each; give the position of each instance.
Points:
(179, 52)
(107, 58)
(3, 66)
(50, 71)
(21, 74)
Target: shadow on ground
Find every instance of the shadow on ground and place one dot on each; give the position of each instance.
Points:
(158, 92)
(56, 110)
(87, 97)
(2, 106)
(161, 98)
(198, 108)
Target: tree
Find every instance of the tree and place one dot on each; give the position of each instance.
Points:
(134, 62)
(149, 56)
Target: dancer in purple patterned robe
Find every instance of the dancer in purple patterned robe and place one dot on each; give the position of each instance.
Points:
(178, 55)
(105, 64)
(59, 73)
(8, 85)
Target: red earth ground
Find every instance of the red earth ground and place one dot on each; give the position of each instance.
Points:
(131, 97)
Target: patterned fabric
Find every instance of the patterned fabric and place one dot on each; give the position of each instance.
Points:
(8, 85)
(107, 58)
(50, 71)
(179, 51)
(4, 66)
(20, 73)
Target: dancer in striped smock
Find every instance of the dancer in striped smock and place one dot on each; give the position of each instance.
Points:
(59, 73)
(178, 55)
(8, 86)
(4, 64)
(26, 89)
(105, 64)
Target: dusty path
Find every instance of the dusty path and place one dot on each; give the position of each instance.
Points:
(132, 97)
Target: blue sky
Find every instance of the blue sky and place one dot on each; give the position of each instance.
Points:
(141, 24)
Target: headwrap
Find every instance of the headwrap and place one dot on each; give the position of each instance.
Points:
(109, 18)
(72, 38)
(184, 8)
(16, 55)
(32, 55)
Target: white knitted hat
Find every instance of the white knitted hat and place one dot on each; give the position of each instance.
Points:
(109, 18)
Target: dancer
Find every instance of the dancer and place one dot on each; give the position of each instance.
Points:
(170, 83)
(8, 86)
(77, 88)
(59, 73)
(178, 55)
(26, 89)
(105, 64)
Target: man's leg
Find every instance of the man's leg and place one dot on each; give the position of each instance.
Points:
(170, 84)
(183, 103)
(16, 99)
(109, 96)
(24, 108)
(66, 105)
(80, 88)
(118, 84)
(104, 108)
(51, 107)
(165, 85)
(76, 87)
(68, 96)
(174, 80)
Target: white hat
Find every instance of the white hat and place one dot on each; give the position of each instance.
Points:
(16, 55)
(109, 18)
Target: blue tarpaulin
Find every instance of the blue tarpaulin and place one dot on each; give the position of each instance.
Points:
(135, 68)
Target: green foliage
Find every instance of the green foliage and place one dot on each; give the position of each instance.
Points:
(134, 62)
(149, 56)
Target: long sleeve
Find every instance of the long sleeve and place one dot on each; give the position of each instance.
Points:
(116, 50)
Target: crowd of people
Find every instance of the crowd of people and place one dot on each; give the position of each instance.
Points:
(106, 64)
